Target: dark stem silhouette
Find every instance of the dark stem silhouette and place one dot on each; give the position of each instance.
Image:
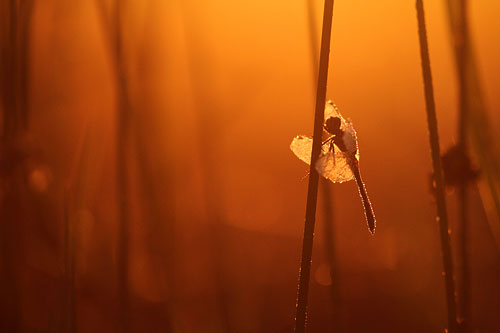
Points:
(15, 41)
(461, 37)
(442, 216)
(113, 29)
(312, 192)
(326, 189)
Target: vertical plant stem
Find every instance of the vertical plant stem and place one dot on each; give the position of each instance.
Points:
(158, 212)
(69, 269)
(464, 290)
(10, 310)
(461, 38)
(15, 29)
(312, 192)
(326, 190)
(313, 39)
(461, 45)
(113, 30)
(442, 216)
(122, 142)
(25, 19)
(479, 129)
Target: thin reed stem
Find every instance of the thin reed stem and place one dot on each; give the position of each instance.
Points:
(122, 142)
(461, 37)
(15, 38)
(479, 131)
(325, 188)
(464, 296)
(69, 315)
(313, 39)
(312, 192)
(162, 238)
(113, 28)
(442, 216)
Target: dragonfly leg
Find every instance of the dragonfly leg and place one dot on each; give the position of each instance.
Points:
(329, 140)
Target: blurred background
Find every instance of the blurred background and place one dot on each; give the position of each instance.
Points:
(146, 181)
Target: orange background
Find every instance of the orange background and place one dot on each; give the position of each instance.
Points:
(218, 89)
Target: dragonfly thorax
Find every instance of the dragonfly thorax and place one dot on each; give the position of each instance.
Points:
(332, 126)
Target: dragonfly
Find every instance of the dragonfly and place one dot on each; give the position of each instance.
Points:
(339, 157)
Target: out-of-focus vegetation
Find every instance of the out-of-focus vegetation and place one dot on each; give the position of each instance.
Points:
(146, 182)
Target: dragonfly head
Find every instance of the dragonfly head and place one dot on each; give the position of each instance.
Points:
(332, 125)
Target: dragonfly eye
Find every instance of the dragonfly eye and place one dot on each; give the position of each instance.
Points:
(332, 125)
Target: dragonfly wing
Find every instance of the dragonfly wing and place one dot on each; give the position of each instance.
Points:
(335, 166)
(301, 146)
(331, 110)
(350, 139)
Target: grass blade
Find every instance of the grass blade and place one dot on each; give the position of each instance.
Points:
(460, 33)
(475, 126)
(442, 216)
(312, 192)
(326, 189)
(15, 41)
(113, 28)
(476, 122)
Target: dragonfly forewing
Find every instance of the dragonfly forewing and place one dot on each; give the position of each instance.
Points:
(301, 146)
